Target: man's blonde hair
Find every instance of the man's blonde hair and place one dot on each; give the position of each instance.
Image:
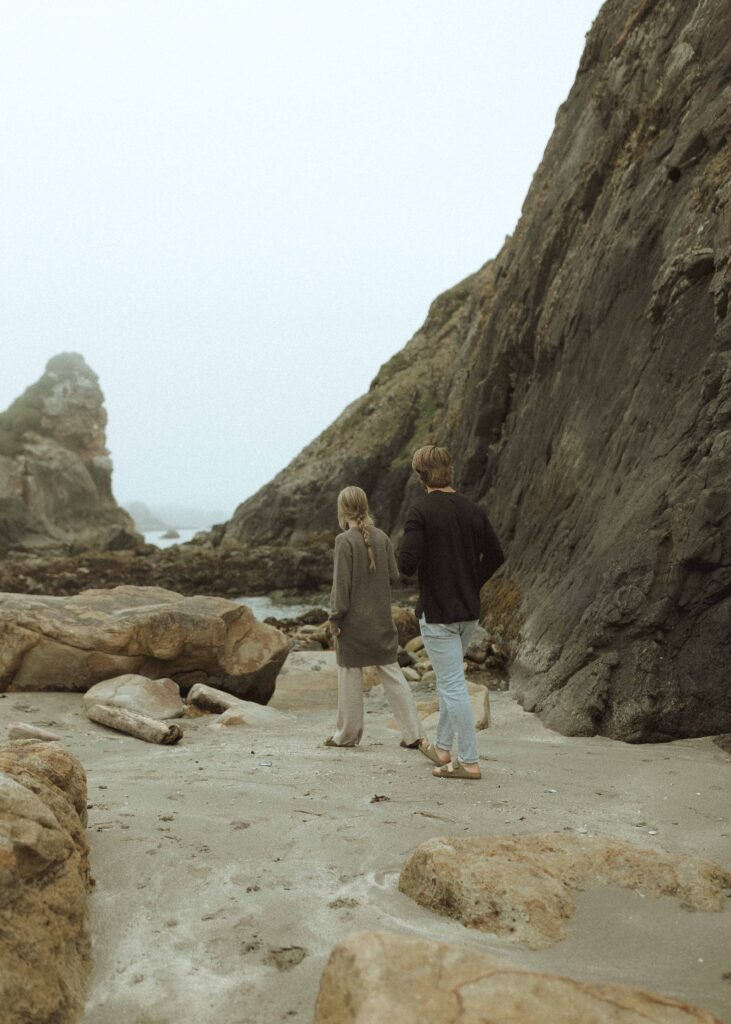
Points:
(433, 466)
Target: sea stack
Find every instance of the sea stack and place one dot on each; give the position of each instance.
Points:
(55, 469)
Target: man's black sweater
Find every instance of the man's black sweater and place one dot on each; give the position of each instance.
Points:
(451, 543)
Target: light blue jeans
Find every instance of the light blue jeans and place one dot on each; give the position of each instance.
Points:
(445, 643)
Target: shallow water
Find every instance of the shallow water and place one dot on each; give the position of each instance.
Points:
(277, 607)
(157, 537)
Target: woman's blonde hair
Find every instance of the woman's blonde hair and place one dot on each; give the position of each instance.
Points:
(353, 504)
(433, 466)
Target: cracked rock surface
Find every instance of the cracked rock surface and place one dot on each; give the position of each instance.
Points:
(377, 978)
(45, 948)
(53, 643)
(582, 380)
(524, 887)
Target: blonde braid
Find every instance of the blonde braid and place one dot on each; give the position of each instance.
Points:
(362, 522)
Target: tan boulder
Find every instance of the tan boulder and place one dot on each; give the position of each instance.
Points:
(480, 700)
(406, 624)
(308, 680)
(381, 978)
(415, 645)
(249, 714)
(522, 887)
(425, 710)
(45, 950)
(71, 643)
(370, 677)
(154, 698)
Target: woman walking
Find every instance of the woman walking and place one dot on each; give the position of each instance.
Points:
(362, 624)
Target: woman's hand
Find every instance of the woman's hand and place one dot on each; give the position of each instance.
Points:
(335, 630)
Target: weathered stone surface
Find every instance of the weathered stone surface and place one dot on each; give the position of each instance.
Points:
(582, 380)
(308, 680)
(155, 698)
(55, 470)
(479, 698)
(44, 878)
(370, 677)
(232, 710)
(381, 978)
(478, 646)
(50, 643)
(406, 624)
(249, 714)
(521, 887)
(415, 645)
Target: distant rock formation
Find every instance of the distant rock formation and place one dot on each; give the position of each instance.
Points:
(144, 518)
(55, 470)
(583, 381)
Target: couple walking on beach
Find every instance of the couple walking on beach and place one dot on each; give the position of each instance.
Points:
(449, 541)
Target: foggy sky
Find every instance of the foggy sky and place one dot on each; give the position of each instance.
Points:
(236, 211)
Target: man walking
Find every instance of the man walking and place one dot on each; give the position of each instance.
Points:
(449, 540)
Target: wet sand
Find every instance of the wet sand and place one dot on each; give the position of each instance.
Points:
(228, 866)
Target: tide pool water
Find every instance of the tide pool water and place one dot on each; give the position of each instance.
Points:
(264, 606)
(156, 537)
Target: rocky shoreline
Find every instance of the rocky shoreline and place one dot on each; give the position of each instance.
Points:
(188, 569)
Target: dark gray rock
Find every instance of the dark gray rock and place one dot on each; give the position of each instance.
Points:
(724, 742)
(405, 658)
(582, 380)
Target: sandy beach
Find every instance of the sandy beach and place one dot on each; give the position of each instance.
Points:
(229, 865)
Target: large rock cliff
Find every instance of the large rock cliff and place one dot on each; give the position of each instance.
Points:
(583, 381)
(55, 470)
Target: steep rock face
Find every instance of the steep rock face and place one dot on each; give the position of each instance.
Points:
(55, 470)
(583, 382)
(417, 394)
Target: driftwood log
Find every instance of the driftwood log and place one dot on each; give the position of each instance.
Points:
(26, 731)
(142, 728)
(208, 698)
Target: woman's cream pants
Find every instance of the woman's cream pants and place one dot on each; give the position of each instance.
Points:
(350, 704)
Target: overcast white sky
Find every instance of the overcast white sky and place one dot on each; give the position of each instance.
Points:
(236, 211)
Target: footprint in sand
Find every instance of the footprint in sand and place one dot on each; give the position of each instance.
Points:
(285, 958)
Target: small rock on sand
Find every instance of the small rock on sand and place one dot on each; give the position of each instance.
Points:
(153, 698)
